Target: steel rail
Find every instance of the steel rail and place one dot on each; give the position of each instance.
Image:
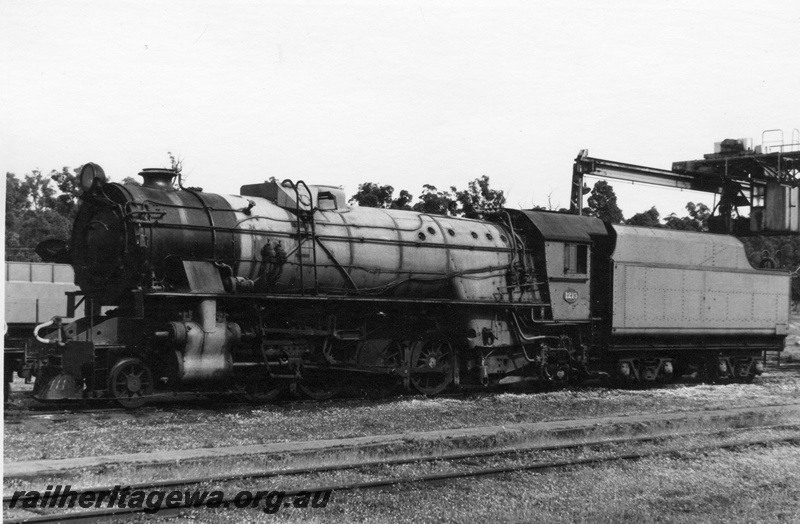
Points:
(386, 482)
(109, 512)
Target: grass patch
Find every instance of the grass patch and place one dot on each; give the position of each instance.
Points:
(182, 428)
(408, 448)
(754, 485)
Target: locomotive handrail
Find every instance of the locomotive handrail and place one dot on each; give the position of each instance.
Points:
(338, 264)
(208, 210)
(265, 217)
(299, 240)
(236, 230)
(310, 217)
(300, 213)
(349, 298)
(518, 246)
(132, 214)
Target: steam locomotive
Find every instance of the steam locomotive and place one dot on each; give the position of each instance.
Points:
(286, 287)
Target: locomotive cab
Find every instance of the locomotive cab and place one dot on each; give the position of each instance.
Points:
(564, 246)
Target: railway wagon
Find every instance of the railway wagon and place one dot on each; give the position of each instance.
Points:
(285, 286)
(34, 293)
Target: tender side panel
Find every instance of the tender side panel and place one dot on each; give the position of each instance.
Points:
(667, 282)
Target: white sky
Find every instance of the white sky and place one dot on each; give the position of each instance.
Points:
(400, 93)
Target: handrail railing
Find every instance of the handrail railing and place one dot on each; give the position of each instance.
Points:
(300, 215)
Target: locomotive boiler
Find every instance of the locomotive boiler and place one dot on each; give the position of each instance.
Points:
(286, 287)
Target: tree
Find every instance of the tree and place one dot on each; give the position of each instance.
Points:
(16, 199)
(471, 202)
(478, 197)
(66, 203)
(403, 201)
(551, 206)
(603, 203)
(435, 202)
(696, 221)
(38, 190)
(373, 195)
(32, 215)
(16, 205)
(649, 218)
(175, 163)
(781, 251)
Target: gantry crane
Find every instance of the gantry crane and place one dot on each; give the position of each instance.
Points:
(765, 178)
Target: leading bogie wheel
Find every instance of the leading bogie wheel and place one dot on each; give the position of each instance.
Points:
(130, 382)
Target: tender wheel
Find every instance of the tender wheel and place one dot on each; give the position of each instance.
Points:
(130, 382)
(431, 367)
(319, 386)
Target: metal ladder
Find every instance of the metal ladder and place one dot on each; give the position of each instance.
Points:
(306, 230)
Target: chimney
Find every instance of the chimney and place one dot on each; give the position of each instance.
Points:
(158, 178)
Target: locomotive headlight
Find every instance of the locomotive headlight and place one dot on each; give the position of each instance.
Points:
(89, 173)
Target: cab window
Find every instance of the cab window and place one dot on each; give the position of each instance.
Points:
(576, 258)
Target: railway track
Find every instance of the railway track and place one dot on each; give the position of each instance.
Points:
(598, 447)
(233, 400)
(197, 400)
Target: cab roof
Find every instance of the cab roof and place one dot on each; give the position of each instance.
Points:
(566, 227)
